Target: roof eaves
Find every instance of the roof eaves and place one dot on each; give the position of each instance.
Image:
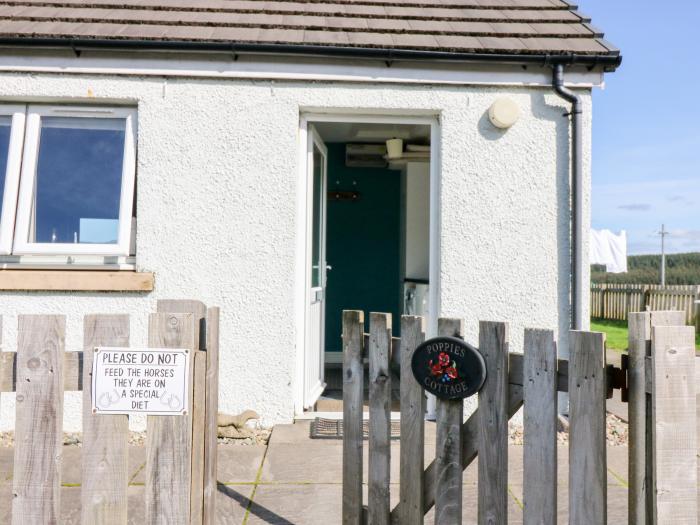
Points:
(609, 61)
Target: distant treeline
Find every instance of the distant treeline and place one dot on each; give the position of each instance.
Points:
(681, 268)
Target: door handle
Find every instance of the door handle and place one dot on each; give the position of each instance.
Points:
(328, 267)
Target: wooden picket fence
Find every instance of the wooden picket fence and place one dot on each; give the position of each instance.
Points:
(615, 301)
(658, 379)
(180, 485)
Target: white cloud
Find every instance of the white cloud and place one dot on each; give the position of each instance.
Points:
(635, 207)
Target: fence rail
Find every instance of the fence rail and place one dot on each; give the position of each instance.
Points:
(661, 386)
(615, 301)
(181, 450)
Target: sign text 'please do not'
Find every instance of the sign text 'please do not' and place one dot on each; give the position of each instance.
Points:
(150, 381)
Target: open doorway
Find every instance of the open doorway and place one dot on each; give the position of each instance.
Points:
(368, 235)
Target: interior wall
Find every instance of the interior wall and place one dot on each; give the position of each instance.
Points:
(362, 245)
(417, 217)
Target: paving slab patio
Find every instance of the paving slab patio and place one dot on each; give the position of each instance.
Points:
(300, 481)
(297, 480)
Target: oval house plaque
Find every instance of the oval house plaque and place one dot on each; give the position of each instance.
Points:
(448, 367)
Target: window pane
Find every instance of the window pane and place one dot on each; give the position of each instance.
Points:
(5, 127)
(78, 180)
(316, 239)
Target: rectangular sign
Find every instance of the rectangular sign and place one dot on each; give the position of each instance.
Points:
(153, 381)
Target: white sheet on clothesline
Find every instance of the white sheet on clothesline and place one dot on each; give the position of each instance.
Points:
(609, 249)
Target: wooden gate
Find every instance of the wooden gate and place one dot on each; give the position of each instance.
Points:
(181, 450)
(659, 380)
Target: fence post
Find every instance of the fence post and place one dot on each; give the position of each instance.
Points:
(448, 454)
(640, 465)
(673, 425)
(36, 483)
(587, 456)
(412, 425)
(493, 424)
(105, 451)
(353, 379)
(169, 438)
(212, 411)
(203, 478)
(639, 335)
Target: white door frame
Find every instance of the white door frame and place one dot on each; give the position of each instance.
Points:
(314, 386)
(300, 303)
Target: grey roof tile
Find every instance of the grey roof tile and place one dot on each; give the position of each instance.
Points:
(458, 43)
(486, 26)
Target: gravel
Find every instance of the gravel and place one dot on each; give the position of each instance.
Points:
(260, 437)
(617, 433)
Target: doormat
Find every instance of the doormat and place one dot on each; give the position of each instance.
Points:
(322, 428)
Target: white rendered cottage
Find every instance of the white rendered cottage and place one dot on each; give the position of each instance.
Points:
(235, 151)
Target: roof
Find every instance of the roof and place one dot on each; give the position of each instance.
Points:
(519, 28)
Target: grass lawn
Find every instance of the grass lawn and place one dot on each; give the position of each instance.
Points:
(616, 333)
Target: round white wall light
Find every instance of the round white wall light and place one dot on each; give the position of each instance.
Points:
(503, 113)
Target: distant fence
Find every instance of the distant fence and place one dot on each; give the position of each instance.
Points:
(180, 487)
(616, 301)
(658, 378)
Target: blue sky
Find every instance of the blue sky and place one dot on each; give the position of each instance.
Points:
(646, 124)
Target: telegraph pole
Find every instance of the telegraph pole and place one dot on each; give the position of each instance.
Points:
(663, 234)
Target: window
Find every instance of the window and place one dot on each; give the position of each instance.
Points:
(11, 138)
(74, 185)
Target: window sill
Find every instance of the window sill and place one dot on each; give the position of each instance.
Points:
(76, 281)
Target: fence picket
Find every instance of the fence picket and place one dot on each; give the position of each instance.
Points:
(39, 419)
(353, 379)
(673, 413)
(448, 454)
(380, 418)
(105, 450)
(587, 455)
(493, 425)
(169, 439)
(412, 425)
(540, 432)
(188, 306)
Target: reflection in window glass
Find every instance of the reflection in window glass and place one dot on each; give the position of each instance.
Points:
(316, 238)
(5, 127)
(78, 180)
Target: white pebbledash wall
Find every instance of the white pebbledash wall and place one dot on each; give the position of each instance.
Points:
(217, 181)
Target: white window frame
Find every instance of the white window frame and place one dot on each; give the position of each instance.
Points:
(28, 176)
(14, 164)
